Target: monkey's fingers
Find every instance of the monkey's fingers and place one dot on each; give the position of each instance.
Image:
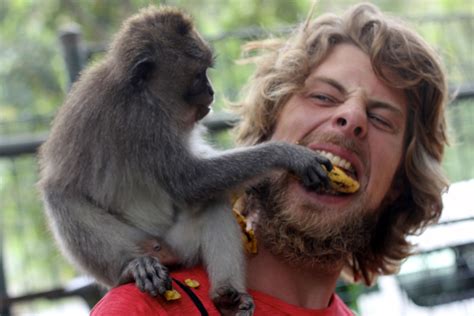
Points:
(150, 276)
(141, 280)
(325, 162)
(323, 176)
(311, 180)
(231, 302)
(160, 277)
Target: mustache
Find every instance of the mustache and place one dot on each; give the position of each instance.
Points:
(347, 143)
(336, 139)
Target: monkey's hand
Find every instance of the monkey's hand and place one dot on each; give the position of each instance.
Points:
(311, 168)
(150, 275)
(334, 178)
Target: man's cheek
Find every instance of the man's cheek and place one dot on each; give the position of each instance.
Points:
(379, 188)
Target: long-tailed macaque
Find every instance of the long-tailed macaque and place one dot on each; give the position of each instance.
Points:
(124, 163)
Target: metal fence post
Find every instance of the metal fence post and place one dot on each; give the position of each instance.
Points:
(73, 50)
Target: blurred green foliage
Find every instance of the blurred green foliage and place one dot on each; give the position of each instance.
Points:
(34, 82)
(32, 70)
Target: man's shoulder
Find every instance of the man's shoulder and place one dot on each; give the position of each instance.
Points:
(127, 299)
(269, 305)
(340, 307)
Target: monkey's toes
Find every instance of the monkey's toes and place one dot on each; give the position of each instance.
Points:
(150, 275)
(231, 302)
(246, 305)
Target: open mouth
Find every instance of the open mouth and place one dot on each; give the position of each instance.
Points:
(343, 177)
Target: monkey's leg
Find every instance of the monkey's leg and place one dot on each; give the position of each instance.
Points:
(222, 253)
(97, 241)
(212, 234)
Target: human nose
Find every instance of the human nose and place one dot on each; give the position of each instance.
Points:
(351, 119)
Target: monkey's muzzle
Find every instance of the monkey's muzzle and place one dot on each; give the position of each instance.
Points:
(202, 111)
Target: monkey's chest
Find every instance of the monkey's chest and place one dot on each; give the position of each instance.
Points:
(152, 213)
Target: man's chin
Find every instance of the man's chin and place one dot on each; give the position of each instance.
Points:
(305, 230)
(301, 252)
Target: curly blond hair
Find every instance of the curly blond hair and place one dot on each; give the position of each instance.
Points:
(401, 59)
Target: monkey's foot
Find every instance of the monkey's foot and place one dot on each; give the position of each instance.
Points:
(150, 275)
(231, 302)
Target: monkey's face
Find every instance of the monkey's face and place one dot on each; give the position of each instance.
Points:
(183, 77)
(163, 54)
(195, 61)
(184, 86)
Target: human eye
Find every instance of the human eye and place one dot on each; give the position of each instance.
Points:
(381, 122)
(322, 98)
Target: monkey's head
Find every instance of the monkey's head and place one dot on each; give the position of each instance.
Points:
(159, 51)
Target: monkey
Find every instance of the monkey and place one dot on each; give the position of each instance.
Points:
(126, 162)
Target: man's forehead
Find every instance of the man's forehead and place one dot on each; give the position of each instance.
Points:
(347, 68)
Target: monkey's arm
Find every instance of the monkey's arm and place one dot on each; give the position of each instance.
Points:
(196, 179)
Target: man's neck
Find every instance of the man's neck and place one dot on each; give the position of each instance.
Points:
(304, 287)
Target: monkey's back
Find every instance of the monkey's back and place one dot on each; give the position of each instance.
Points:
(79, 149)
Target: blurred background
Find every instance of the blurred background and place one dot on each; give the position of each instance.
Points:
(43, 45)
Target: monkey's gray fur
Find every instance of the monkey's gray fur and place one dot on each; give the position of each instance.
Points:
(124, 164)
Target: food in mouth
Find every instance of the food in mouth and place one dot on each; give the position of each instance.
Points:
(342, 182)
(342, 176)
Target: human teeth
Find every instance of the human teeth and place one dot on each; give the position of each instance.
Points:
(344, 164)
(336, 160)
(328, 155)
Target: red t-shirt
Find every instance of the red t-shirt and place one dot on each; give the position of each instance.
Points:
(129, 300)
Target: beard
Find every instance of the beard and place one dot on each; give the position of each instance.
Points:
(305, 234)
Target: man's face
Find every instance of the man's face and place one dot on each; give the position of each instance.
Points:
(351, 116)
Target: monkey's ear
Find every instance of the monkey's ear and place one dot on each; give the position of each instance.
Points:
(141, 71)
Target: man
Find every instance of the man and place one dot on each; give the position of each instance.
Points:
(368, 93)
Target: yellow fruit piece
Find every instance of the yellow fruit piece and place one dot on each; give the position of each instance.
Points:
(172, 295)
(191, 283)
(248, 235)
(250, 242)
(341, 182)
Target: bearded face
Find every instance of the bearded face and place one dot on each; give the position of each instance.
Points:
(347, 113)
(305, 234)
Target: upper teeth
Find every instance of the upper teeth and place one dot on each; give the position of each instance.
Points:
(336, 160)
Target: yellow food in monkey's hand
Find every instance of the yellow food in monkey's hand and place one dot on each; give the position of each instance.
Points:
(341, 182)
(172, 295)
